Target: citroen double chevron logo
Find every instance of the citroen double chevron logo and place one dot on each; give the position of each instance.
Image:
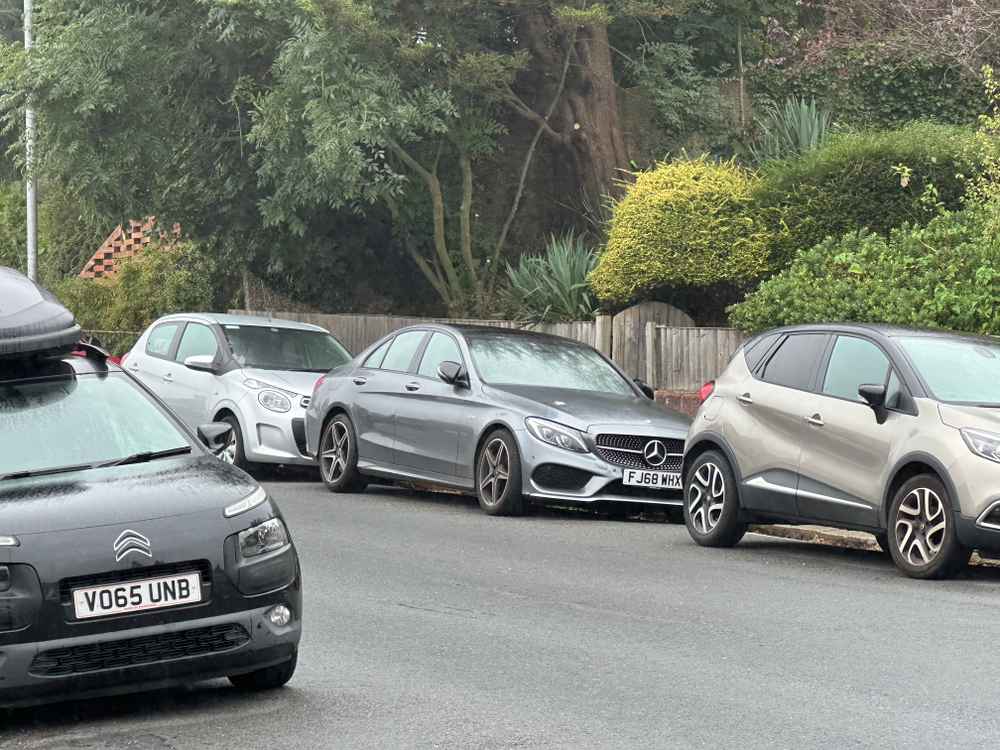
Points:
(131, 541)
(655, 453)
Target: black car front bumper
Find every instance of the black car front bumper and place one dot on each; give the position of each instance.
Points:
(151, 657)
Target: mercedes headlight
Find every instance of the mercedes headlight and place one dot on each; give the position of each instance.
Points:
(556, 434)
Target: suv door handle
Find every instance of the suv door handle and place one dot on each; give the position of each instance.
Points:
(358, 380)
(745, 399)
(412, 387)
(816, 420)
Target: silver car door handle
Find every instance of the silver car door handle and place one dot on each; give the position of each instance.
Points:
(168, 378)
(815, 420)
(412, 386)
(360, 380)
(745, 399)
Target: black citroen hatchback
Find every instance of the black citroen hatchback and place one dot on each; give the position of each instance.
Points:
(130, 556)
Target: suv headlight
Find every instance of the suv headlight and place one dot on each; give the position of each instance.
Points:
(266, 537)
(556, 434)
(274, 401)
(982, 443)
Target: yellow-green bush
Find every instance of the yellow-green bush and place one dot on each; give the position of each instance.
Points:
(683, 224)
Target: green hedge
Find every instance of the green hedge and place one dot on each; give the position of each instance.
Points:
(853, 183)
(684, 223)
(944, 275)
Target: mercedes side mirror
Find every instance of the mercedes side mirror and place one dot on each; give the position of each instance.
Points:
(874, 396)
(202, 363)
(453, 373)
(647, 391)
(215, 435)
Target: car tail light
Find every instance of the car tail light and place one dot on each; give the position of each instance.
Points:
(706, 390)
(322, 379)
(124, 357)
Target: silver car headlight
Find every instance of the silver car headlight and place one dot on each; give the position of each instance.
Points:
(266, 537)
(274, 401)
(982, 443)
(556, 434)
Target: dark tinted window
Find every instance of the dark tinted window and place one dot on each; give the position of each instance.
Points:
(403, 348)
(374, 360)
(794, 364)
(756, 349)
(854, 362)
(160, 339)
(441, 348)
(278, 348)
(197, 341)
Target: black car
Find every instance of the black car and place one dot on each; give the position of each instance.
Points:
(130, 555)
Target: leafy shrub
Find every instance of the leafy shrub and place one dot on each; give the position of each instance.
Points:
(161, 280)
(794, 128)
(553, 286)
(685, 223)
(874, 180)
(944, 275)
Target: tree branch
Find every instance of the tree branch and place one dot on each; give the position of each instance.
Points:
(465, 218)
(518, 105)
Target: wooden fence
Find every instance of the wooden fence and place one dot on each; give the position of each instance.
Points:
(653, 341)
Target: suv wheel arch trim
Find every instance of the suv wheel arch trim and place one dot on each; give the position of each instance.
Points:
(710, 440)
(918, 457)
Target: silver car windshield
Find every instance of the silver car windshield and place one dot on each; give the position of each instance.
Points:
(527, 361)
(276, 348)
(955, 370)
(79, 421)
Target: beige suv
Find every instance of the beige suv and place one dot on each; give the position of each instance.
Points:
(886, 430)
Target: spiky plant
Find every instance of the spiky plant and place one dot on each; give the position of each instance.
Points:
(553, 286)
(795, 127)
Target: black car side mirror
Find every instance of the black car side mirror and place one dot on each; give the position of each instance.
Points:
(453, 373)
(202, 363)
(874, 396)
(646, 389)
(215, 435)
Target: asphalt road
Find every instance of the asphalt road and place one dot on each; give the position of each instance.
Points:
(430, 625)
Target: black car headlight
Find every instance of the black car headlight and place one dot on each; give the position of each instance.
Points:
(266, 537)
(556, 434)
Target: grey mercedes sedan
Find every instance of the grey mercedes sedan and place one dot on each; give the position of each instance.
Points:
(511, 416)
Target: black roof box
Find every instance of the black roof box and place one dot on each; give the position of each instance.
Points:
(31, 319)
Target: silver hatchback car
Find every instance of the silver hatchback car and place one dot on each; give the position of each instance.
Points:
(257, 374)
(886, 430)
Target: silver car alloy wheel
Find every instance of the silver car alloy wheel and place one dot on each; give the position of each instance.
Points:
(920, 526)
(334, 451)
(706, 497)
(494, 471)
(228, 453)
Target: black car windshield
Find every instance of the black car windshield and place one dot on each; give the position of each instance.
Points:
(276, 348)
(79, 421)
(525, 360)
(962, 371)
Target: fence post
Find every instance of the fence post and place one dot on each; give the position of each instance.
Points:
(652, 355)
(602, 334)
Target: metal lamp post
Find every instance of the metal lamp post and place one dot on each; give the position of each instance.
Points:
(29, 158)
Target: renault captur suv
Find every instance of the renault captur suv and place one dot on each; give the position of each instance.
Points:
(879, 429)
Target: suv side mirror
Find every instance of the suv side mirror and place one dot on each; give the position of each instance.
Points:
(453, 373)
(874, 396)
(215, 435)
(202, 363)
(647, 391)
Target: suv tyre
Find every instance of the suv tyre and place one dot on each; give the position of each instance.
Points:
(712, 503)
(922, 537)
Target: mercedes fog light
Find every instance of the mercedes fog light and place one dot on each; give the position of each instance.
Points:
(280, 616)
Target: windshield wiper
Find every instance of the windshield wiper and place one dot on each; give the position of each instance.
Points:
(45, 472)
(141, 458)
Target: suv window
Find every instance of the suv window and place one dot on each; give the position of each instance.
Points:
(854, 362)
(756, 349)
(400, 354)
(441, 348)
(795, 362)
(160, 339)
(374, 360)
(198, 340)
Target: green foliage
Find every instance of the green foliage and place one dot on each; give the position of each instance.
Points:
(864, 87)
(944, 275)
(553, 286)
(684, 223)
(854, 182)
(794, 128)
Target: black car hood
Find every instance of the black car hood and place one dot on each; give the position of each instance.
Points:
(586, 409)
(123, 494)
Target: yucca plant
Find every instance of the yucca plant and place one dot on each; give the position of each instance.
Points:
(553, 286)
(793, 128)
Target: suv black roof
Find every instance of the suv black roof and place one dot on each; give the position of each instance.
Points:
(882, 329)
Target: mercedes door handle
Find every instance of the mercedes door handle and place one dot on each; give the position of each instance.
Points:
(359, 380)
(412, 387)
(815, 420)
(745, 399)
